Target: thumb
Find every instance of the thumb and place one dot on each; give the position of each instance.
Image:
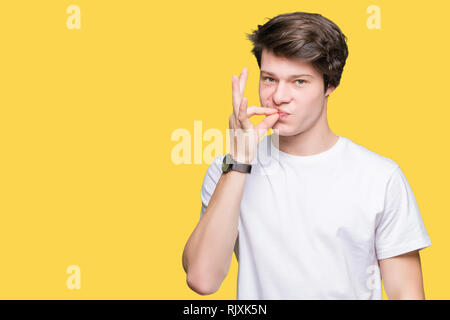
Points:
(267, 123)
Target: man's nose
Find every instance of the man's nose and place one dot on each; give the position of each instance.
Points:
(281, 94)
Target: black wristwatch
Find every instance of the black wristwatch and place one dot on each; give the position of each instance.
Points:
(230, 164)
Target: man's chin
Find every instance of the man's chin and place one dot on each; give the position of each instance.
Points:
(282, 129)
(285, 130)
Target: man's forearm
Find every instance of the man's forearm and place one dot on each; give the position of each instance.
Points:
(209, 250)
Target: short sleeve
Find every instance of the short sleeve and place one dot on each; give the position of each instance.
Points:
(210, 180)
(400, 228)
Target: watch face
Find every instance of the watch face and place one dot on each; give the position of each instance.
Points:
(226, 165)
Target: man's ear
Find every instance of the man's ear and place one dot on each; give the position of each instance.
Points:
(330, 89)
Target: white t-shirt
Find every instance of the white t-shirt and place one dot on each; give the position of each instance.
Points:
(314, 227)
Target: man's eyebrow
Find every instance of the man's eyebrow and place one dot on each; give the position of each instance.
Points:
(292, 76)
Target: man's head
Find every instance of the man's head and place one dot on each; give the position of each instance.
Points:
(298, 43)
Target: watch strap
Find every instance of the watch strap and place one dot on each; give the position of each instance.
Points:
(242, 167)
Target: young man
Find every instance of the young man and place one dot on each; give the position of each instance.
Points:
(317, 216)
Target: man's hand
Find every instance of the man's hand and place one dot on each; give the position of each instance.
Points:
(244, 136)
(402, 276)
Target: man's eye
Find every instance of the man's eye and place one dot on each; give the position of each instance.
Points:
(268, 78)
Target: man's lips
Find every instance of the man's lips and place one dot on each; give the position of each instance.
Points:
(282, 114)
(281, 111)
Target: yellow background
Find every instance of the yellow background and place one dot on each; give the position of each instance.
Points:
(86, 176)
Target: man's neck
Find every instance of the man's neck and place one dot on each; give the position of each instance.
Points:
(316, 139)
(307, 143)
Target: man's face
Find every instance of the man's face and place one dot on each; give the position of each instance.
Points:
(295, 87)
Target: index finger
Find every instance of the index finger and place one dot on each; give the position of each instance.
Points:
(237, 97)
(243, 80)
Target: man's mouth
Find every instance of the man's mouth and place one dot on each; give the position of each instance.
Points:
(282, 114)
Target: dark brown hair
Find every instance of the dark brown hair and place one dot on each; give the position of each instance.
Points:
(309, 37)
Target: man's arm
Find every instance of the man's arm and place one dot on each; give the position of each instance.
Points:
(208, 252)
(402, 276)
